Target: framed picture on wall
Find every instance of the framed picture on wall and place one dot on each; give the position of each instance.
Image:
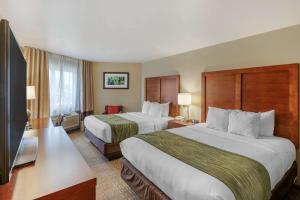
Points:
(115, 80)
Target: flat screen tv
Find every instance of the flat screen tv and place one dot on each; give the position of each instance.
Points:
(13, 115)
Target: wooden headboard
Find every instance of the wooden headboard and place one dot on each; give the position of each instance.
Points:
(164, 89)
(257, 89)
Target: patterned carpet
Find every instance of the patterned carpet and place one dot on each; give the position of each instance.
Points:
(110, 185)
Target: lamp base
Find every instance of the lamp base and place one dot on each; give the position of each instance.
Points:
(28, 125)
(188, 113)
(28, 114)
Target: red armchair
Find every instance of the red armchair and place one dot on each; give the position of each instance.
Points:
(110, 109)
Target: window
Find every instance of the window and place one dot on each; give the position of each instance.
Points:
(64, 83)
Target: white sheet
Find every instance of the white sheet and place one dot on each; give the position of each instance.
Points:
(181, 181)
(146, 124)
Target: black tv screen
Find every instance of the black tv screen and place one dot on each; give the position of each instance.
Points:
(13, 115)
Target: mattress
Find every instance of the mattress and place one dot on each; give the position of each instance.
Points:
(146, 124)
(181, 181)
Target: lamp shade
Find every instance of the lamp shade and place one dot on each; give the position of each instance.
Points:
(30, 92)
(184, 99)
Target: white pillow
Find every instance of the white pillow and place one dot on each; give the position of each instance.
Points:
(267, 123)
(155, 110)
(165, 109)
(244, 123)
(146, 107)
(217, 119)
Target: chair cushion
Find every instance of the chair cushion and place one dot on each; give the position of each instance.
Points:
(113, 109)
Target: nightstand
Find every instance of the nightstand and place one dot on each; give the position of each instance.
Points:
(178, 123)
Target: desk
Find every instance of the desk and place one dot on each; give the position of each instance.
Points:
(60, 172)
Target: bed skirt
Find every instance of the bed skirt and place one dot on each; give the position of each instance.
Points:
(109, 150)
(146, 190)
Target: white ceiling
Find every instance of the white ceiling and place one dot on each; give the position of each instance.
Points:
(141, 30)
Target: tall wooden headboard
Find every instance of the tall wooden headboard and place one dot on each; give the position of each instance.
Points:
(257, 89)
(164, 89)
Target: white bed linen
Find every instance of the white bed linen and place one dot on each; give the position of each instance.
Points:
(146, 124)
(181, 181)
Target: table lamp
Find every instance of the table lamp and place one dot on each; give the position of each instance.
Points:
(185, 100)
(30, 95)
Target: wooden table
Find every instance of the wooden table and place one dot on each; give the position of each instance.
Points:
(60, 172)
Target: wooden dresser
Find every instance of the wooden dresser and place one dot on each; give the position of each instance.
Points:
(60, 172)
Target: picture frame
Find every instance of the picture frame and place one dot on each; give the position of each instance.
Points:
(115, 80)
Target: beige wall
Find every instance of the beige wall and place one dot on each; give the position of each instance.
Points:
(276, 47)
(130, 99)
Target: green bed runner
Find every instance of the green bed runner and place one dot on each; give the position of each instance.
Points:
(247, 178)
(121, 128)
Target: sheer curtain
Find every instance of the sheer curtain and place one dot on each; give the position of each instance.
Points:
(64, 83)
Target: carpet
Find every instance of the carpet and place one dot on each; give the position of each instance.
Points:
(110, 185)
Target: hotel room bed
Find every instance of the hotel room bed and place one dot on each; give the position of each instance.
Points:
(154, 174)
(178, 180)
(146, 124)
(99, 132)
(161, 90)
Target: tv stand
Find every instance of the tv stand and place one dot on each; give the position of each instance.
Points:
(59, 172)
(28, 149)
